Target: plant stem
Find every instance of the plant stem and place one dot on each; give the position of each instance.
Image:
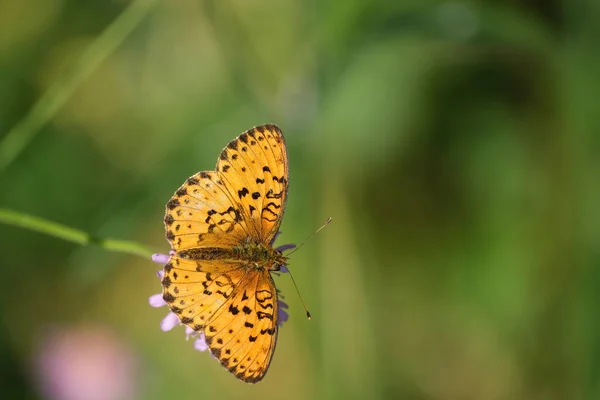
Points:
(13, 143)
(15, 218)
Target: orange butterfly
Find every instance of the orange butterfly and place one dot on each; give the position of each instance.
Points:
(221, 225)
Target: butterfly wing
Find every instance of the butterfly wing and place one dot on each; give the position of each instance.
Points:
(201, 214)
(254, 169)
(235, 307)
(196, 290)
(243, 199)
(243, 333)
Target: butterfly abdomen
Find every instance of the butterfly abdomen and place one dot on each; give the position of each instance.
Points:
(251, 253)
(207, 253)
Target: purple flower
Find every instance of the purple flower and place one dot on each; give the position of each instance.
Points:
(172, 320)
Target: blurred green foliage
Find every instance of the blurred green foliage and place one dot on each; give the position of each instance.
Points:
(454, 143)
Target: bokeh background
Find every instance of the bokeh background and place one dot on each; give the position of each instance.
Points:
(455, 144)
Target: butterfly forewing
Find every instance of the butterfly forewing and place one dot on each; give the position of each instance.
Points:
(201, 214)
(254, 168)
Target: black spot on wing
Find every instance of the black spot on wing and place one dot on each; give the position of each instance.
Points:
(233, 144)
(243, 192)
(168, 297)
(173, 203)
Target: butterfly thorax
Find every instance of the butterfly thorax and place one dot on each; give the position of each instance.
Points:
(260, 256)
(255, 255)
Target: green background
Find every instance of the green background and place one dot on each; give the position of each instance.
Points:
(455, 144)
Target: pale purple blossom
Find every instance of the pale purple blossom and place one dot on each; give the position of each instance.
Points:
(156, 300)
(160, 258)
(169, 322)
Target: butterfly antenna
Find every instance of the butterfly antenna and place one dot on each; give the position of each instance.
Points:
(290, 272)
(310, 237)
(298, 291)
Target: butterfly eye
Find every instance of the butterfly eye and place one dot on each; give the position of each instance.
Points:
(276, 267)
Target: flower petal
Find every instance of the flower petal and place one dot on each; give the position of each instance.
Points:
(285, 247)
(188, 332)
(156, 300)
(284, 269)
(200, 343)
(282, 316)
(169, 322)
(160, 258)
(282, 304)
(275, 237)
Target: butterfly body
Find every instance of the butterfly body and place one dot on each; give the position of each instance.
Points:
(261, 257)
(256, 255)
(221, 225)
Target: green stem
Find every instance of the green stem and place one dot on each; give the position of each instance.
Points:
(15, 218)
(60, 91)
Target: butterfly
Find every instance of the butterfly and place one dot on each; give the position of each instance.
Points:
(221, 225)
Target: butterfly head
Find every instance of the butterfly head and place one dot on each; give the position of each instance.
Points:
(279, 261)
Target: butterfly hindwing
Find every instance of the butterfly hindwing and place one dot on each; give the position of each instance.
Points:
(196, 290)
(243, 333)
